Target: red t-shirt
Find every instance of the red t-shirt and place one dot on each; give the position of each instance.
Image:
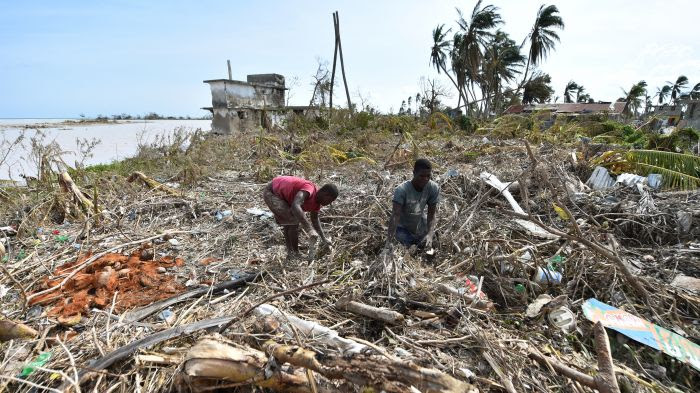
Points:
(287, 187)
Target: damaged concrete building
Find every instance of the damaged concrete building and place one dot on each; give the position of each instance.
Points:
(685, 113)
(246, 106)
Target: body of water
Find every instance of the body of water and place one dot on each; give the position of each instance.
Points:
(117, 140)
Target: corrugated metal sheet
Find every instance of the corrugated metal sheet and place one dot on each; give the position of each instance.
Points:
(600, 179)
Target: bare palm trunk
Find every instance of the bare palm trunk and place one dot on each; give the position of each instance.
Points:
(527, 68)
(456, 85)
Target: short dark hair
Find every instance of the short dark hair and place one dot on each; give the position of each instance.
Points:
(329, 189)
(422, 163)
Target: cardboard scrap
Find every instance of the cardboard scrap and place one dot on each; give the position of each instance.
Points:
(643, 331)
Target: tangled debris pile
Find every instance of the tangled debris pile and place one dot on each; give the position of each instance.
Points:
(497, 307)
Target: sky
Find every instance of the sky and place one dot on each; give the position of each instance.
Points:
(66, 58)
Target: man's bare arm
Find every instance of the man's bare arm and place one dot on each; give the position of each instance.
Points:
(316, 222)
(299, 200)
(393, 222)
(432, 223)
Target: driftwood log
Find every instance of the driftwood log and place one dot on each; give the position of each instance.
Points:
(68, 186)
(215, 362)
(378, 313)
(376, 372)
(10, 330)
(152, 184)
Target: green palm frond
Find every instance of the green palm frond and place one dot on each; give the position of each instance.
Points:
(677, 169)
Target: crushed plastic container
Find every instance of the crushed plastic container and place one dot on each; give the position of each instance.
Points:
(654, 180)
(547, 276)
(39, 361)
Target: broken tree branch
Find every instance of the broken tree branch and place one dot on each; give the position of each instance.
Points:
(378, 313)
(605, 380)
(213, 360)
(152, 184)
(561, 368)
(79, 198)
(370, 371)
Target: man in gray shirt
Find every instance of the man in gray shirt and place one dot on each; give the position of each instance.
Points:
(409, 223)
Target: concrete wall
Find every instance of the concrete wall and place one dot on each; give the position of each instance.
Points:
(234, 94)
(237, 94)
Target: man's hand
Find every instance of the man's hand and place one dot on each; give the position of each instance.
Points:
(313, 235)
(429, 241)
(389, 246)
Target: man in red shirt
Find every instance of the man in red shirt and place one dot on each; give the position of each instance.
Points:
(288, 197)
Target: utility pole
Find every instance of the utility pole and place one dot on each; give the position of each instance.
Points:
(338, 50)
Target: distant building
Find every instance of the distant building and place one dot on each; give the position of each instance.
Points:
(570, 109)
(245, 106)
(685, 113)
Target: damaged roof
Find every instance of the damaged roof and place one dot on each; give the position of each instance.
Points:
(581, 108)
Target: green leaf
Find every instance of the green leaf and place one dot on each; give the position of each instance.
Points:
(678, 170)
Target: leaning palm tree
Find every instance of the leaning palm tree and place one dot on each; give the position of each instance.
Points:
(693, 94)
(633, 98)
(543, 35)
(438, 54)
(570, 88)
(662, 93)
(677, 87)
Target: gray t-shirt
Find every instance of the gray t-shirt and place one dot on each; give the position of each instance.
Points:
(414, 216)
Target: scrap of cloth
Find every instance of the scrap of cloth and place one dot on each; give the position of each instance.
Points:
(414, 216)
(287, 187)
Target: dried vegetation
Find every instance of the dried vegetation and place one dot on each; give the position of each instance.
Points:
(82, 275)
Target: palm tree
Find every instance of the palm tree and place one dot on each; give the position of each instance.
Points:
(501, 64)
(474, 35)
(693, 94)
(542, 36)
(438, 53)
(662, 93)
(677, 87)
(568, 91)
(585, 98)
(537, 89)
(633, 98)
(580, 96)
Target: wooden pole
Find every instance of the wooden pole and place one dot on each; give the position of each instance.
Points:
(342, 63)
(335, 56)
(228, 63)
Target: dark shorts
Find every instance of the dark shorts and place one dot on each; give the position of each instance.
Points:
(405, 237)
(279, 207)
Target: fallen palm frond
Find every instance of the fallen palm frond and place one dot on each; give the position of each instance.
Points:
(677, 169)
(433, 121)
(152, 184)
